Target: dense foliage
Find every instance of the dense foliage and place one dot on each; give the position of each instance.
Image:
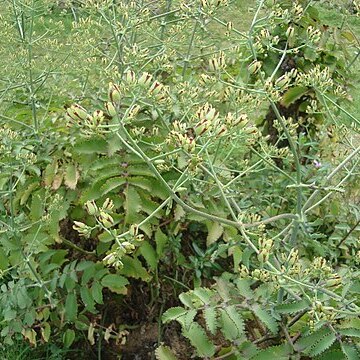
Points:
(162, 164)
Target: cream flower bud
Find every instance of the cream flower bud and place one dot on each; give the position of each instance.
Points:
(130, 77)
(106, 219)
(156, 87)
(108, 205)
(77, 112)
(91, 208)
(254, 67)
(114, 93)
(110, 108)
(145, 79)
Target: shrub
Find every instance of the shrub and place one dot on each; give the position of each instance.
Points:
(235, 142)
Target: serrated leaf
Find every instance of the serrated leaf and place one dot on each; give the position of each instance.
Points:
(50, 172)
(4, 261)
(159, 190)
(141, 182)
(187, 319)
(149, 254)
(164, 353)
(149, 206)
(134, 268)
(203, 294)
(28, 191)
(215, 230)
(322, 344)
(71, 176)
(210, 316)
(243, 286)
(281, 352)
(46, 331)
(293, 307)
(106, 162)
(350, 351)
(71, 307)
(179, 212)
(223, 289)
(232, 324)
(350, 332)
(266, 318)
(331, 355)
(132, 205)
(186, 299)
(115, 283)
(160, 240)
(114, 144)
(92, 146)
(293, 94)
(96, 292)
(68, 338)
(111, 184)
(309, 341)
(87, 298)
(37, 206)
(196, 334)
(92, 193)
(173, 314)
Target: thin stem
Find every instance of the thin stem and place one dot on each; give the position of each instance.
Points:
(187, 57)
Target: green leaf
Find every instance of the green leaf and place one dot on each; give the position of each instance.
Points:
(132, 205)
(311, 340)
(203, 294)
(112, 184)
(160, 239)
(164, 353)
(134, 268)
(173, 313)
(186, 298)
(71, 176)
(68, 337)
(149, 254)
(243, 286)
(45, 331)
(232, 324)
(350, 332)
(50, 172)
(96, 292)
(106, 163)
(265, 318)
(141, 182)
(281, 352)
(293, 94)
(28, 191)
(210, 316)
(293, 307)
(98, 146)
(87, 298)
(115, 283)
(149, 206)
(331, 355)
(23, 299)
(4, 261)
(215, 230)
(350, 351)
(37, 206)
(179, 213)
(188, 318)
(71, 307)
(196, 334)
(322, 344)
